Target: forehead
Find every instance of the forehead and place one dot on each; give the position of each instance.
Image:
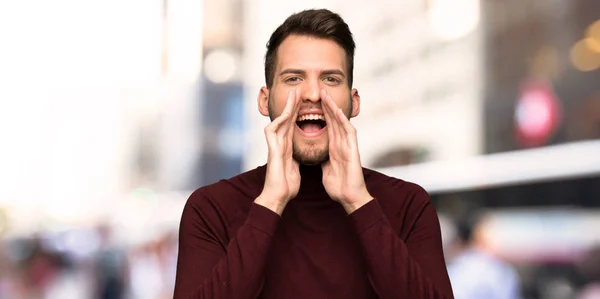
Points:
(310, 53)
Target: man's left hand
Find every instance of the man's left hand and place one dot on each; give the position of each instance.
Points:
(342, 173)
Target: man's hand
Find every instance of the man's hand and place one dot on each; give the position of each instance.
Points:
(282, 180)
(342, 173)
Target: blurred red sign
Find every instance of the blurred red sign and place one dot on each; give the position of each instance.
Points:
(537, 113)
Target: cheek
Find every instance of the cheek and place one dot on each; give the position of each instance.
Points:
(275, 107)
(278, 101)
(345, 105)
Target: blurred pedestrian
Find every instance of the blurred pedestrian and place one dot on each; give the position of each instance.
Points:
(110, 267)
(474, 272)
(589, 266)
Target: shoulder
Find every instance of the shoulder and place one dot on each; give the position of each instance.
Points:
(402, 202)
(394, 189)
(230, 195)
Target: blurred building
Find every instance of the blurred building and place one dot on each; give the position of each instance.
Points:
(537, 90)
(95, 109)
(222, 118)
(419, 71)
(542, 65)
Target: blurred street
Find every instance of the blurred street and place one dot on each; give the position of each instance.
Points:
(114, 112)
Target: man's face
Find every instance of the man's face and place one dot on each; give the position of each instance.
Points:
(309, 65)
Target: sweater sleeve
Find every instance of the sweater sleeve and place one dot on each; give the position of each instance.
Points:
(206, 268)
(398, 269)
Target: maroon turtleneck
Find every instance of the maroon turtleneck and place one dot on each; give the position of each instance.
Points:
(230, 247)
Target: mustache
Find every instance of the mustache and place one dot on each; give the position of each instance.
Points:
(305, 105)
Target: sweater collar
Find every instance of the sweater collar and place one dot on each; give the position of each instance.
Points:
(311, 179)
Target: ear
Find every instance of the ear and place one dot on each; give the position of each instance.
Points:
(355, 103)
(263, 101)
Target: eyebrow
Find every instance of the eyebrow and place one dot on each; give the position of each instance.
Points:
(302, 72)
(292, 71)
(333, 72)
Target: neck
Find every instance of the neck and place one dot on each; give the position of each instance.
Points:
(311, 179)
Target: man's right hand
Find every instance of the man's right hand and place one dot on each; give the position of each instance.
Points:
(282, 180)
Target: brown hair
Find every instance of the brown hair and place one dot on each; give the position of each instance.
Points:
(319, 23)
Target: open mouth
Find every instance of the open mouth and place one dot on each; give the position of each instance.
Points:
(311, 123)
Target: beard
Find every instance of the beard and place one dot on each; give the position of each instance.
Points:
(312, 154)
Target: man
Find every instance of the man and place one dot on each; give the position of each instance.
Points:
(473, 271)
(312, 222)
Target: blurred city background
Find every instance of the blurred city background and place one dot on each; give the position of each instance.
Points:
(114, 111)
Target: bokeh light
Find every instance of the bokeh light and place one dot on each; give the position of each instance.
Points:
(583, 58)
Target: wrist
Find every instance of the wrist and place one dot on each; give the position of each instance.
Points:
(352, 204)
(272, 203)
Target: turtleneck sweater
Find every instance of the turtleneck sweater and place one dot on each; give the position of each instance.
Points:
(231, 247)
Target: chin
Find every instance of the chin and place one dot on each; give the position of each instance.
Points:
(311, 161)
(310, 154)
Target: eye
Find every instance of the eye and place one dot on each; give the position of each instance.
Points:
(292, 79)
(332, 80)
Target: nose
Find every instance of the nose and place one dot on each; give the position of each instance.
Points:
(311, 91)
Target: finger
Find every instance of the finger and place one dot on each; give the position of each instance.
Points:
(329, 118)
(342, 120)
(347, 130)
(291, 125)
(290, 106)
(285, 115)
(344, 130)
(332, 121)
